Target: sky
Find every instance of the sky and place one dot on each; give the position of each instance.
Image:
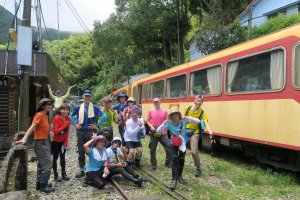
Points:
(89, 11)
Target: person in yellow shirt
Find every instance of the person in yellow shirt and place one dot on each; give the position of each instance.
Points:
(59, 97)
(193, 130)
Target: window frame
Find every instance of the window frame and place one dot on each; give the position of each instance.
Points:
(254, 54)
(206, 67)
(186, 86)
(164, 88)
(294, 67)
(145, 88)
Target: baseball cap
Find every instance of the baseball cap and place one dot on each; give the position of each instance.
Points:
(107, 99)
(87, 93)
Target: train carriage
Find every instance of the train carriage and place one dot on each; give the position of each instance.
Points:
(251, 94)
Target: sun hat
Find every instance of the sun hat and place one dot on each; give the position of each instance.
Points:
(98, 139)
(87, 93)
(174, 110)
(131, 99)
(107, 99)
(156, 99)
(122, 94)
(117, 139)
(44, 101)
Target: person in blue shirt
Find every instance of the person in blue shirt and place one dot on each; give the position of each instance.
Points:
(97, 168)
(176, 124)
(85, 124)
(120, 107)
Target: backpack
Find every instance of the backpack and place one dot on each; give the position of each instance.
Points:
(201, 124)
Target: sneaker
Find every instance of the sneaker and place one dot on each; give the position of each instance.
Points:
(80, 174)
(38, 186)
(198, 172)
(57, 179)
(181, 180)
(47, 189)
(138, 182)
(65, 177)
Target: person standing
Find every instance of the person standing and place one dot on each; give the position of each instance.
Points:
(106, 128)
(58, 97)
(197, 129)
(120, 107)
(86, 114)
(127, 111)
(176, 125)
(135, 130)
(97, 168)
(155, 118)
(40, 126)
(61, 128)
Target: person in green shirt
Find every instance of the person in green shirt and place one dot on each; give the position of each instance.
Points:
(59, 97)
(106, 129)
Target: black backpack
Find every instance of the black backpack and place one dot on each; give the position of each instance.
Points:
(200, 117)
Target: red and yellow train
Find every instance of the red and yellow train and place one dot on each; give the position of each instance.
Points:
(251, 94)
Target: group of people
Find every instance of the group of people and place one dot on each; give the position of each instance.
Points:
(109, 155)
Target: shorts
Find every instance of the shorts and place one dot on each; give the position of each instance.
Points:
(132, 145)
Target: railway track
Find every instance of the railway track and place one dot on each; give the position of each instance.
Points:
(173, 193)
(119, 189)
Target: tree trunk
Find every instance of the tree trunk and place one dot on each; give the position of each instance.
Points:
(181, 52)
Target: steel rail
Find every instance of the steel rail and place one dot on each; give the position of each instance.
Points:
(119, 189)
(173, 193)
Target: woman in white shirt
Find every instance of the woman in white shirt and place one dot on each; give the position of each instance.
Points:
(135, 130)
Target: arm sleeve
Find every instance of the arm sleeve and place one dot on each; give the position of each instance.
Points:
(37, 118)
(51, 94)
(67, 94)
(101, 114)
(115, 107)
(74, 113)
(163, 126)
(192, 119)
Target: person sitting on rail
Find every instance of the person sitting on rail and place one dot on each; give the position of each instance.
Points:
(135, 130)
(58, 97)
(127, 111)
(194, 130)
(86, 115)
(176, 125)
(122, 98)
(61, 127)
(97, 167)
(41, 127)
(106, 127)
(115, 164)
(155, 118)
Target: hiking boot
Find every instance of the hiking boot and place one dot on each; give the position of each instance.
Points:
(138, 163)
(181, 180)
(198, 172)
(138, 182)
(57, 178)
(65, 177)
(80, 174)
(173, 183)
(153, 167)
(168, 165)
(38, 186)
(47, 189)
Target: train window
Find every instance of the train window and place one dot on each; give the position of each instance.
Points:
(206, 81)
(157, 89)
(297, 67)
(256, 73)
(134, 92)
(145, 91)
(176, 86)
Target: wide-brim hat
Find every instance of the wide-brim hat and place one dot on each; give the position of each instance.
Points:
(174, 110)
(131, 99)
(98, 139)
(122, 94)
(44, 100)
(117, 139)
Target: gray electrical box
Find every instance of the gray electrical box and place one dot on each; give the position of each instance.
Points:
(24, 46)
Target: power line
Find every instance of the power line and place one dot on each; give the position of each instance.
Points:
(44, 21)
(78, 15)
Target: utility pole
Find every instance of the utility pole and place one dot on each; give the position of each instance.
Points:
(25, 74)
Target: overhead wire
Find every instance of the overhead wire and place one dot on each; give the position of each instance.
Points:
(48, 37)
(78, 15)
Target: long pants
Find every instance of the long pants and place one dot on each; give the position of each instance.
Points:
(121, 131)
(44, 165)
(165, 142)
(56, 151)
(194, 148)
(126, 172)
(178, 158)
(96, 178)
(83, 136)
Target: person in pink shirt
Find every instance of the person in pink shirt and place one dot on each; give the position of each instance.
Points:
(155, 118)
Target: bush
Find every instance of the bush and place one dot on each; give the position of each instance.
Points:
(274, 24)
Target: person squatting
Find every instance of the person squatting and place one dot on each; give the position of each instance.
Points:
(110, 155)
